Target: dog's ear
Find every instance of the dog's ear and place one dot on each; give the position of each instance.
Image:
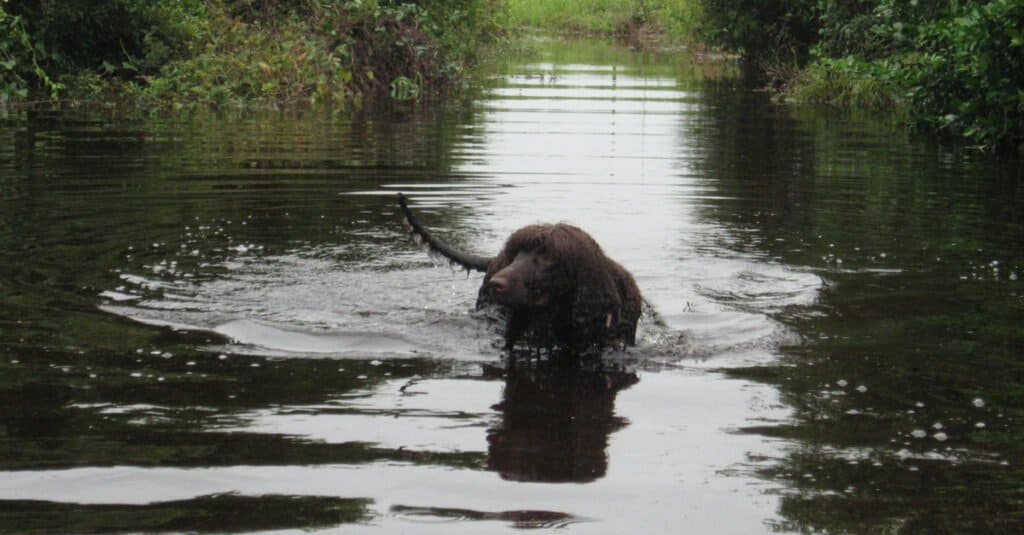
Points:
(596, 303)
(632, 307)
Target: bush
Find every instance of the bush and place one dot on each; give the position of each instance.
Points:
(956, 68)
(233, 51)
(965, 76)
(847, 82)
(18, 64)
(266, 50)
(45, 40)
(763, 31)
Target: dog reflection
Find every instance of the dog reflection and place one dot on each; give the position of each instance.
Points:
(556, 419)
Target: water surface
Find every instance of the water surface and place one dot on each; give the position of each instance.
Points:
(217, 323)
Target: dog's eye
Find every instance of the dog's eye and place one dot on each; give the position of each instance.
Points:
(544, 266)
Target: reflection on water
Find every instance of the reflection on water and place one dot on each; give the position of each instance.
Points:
(905, 382)
(221, 513)
(218, 324)
(555, 422)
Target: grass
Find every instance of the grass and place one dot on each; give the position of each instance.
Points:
(823, 84)
(848, 84)
(675, 18)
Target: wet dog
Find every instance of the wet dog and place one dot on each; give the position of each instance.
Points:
(556, 286)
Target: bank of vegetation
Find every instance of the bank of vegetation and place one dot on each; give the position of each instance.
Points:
(235, 52)
(951, 67)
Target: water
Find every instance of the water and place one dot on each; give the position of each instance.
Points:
(218, 324)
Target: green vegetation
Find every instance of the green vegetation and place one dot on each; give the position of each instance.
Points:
(952, 67)
(41, 42)
(237, 51)
(608, 17)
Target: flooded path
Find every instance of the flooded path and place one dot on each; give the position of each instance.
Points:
(218, 324)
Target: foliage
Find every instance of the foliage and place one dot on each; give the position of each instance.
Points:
(18, 59)
(235, 51)
(47, 39)
(846, 82)
(966, 75)
(235, 61)
(955, 68)
(761, 31)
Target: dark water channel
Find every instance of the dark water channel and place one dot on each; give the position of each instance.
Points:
(217, 324)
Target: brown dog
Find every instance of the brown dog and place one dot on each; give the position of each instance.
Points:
(556, 284)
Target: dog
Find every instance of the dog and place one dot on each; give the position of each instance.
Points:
(556, 286)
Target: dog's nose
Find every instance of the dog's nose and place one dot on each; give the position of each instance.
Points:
(498, 285)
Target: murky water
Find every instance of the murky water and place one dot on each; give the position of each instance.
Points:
(217, 324)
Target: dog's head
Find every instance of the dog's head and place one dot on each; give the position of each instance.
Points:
(530, 280)
(546, 265)
(528, 273)
(558, 282)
